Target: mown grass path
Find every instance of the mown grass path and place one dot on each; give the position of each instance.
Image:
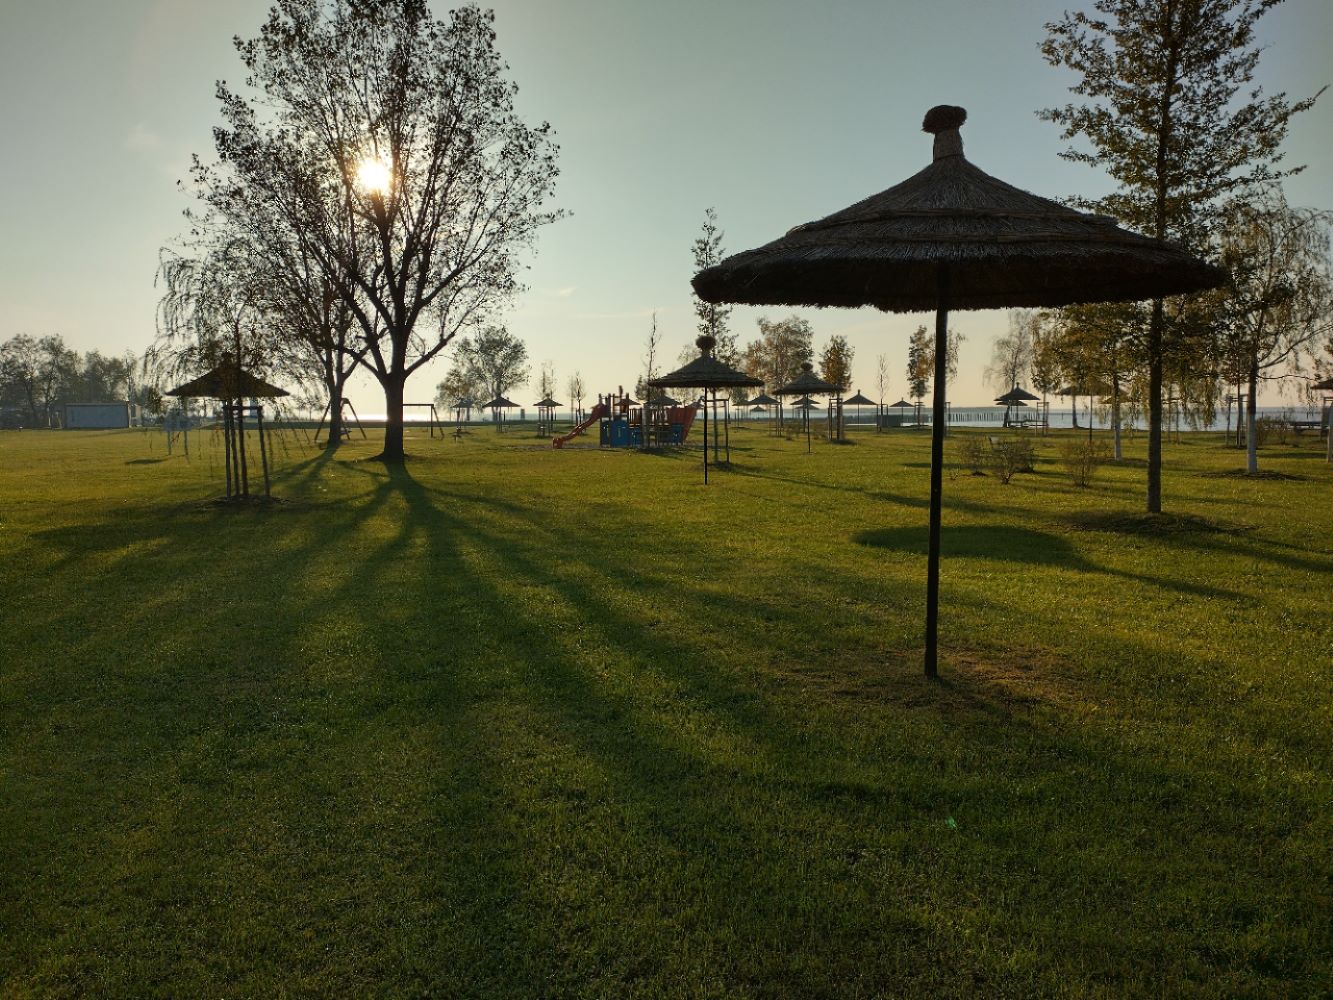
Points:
(515, 722)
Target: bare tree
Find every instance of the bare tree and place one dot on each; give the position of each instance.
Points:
(576, 390)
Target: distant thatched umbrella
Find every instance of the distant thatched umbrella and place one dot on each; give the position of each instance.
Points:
(803, 385)
(231, 384)
(953, 237)
(1014, 397)
(497, 406)
(858, 401)
(546, 408)
(709, 374)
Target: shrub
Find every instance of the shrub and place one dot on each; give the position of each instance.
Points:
(1081, 458)
(1011, 455)
(974, 453)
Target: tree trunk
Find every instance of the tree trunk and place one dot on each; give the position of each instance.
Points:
(1251, 421)
(1115, 413)
(335, 416)
(393, 418)
(1155, 408)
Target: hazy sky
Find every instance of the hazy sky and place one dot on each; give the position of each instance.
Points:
(775, 112)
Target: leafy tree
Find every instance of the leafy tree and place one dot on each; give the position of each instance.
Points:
(920, 364)
(34, 373)
(459, 389)
(713, 317)
(1098, 347)
(835, 362)
(1278, 310)
(494, 359)
(387, 142)
(1170, 111)
(780, 350)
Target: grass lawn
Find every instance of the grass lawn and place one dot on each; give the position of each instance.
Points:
(509, 721)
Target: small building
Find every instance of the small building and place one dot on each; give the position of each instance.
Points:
(100, 416)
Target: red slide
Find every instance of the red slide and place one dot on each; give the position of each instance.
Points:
(594, 415)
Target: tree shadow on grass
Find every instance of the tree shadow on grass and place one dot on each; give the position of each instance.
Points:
(1025, 546)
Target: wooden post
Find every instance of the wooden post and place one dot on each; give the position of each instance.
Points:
(937, 471)
(263, 448)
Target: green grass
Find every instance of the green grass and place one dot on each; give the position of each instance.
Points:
(517, 722)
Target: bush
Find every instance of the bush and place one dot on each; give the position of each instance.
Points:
(974, 453)
(1082, 458)
(1011, 455)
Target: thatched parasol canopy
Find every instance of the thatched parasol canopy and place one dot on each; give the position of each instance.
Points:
(805, 403)
(499, 403)
(1016, 397)
(1324, 386)
(662, 399)
(547, 403)
(705, 372)
(901, 404)
(953, 237)
(764, 399)
(226, 381)
(806, 383)
(858, 400)
(1003, 247)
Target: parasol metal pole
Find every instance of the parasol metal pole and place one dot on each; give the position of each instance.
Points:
(726, 427)
(937, 470)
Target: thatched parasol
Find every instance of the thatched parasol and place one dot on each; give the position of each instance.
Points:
(497, 406)
(231, 384)
(859, 400)
(1014, 397)
(953, 237)
(226, 381)
(709, 374)
(803, 385)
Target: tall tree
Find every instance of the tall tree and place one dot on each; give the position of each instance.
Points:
(1011, 352)
(713, 317)
(882, 381)
(652, 366)
(780, 350)
(387, 142)
(835, 362)
(920, 362)
(1170, 111)
(494, 359)
(1278, 310)
(576, 390)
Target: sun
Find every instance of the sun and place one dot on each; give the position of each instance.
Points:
(374, 176)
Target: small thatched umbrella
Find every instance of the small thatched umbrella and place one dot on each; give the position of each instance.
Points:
(546, 416)
(1014, 397)
(858, 401)
(901, 405)
(765, 401)
(709, 374)
(803, 385)
(497, 406)
(953, 237)
(231, 384)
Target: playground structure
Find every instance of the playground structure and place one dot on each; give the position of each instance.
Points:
(623, 422)
(346, 424)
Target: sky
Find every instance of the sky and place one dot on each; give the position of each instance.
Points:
(773, 112)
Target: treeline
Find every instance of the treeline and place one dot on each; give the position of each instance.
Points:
(39, 375)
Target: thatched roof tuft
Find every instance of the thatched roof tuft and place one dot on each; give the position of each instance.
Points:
(1003, 246)
(806, 383)
(705, 372)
